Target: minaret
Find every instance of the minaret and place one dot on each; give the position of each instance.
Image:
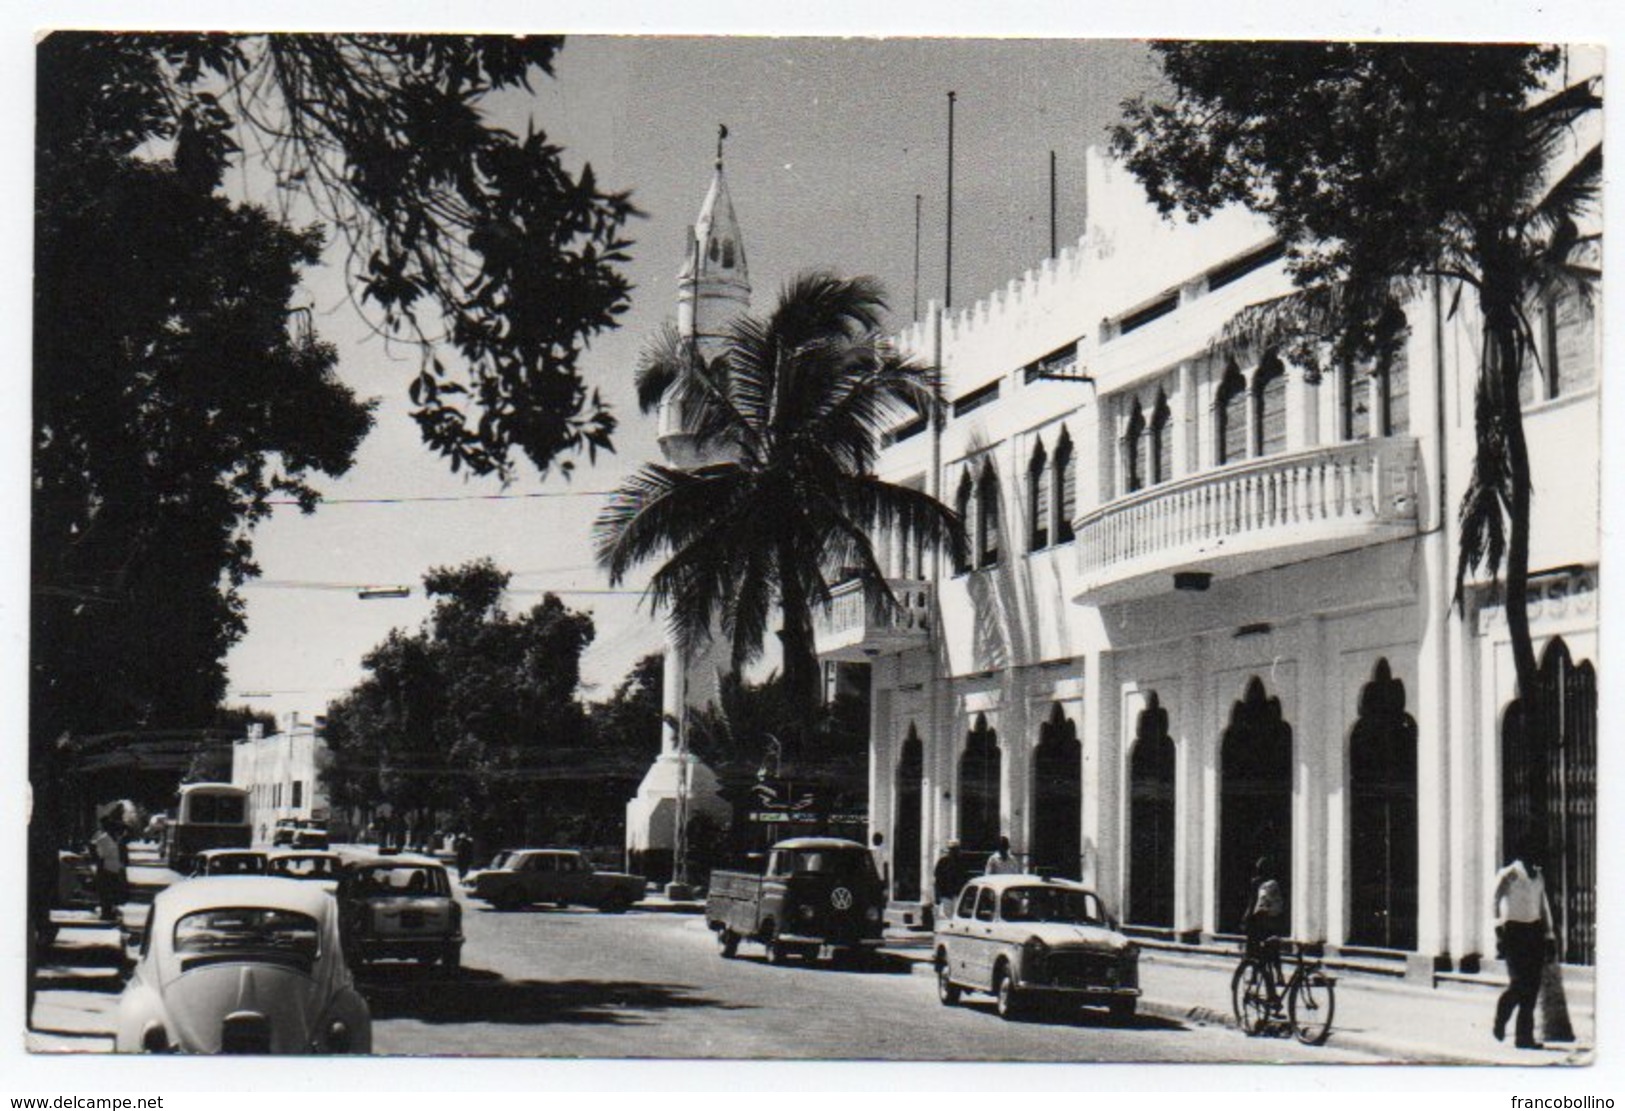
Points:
(713, 288)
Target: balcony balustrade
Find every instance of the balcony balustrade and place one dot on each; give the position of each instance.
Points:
(858, 625)
(1249, 516)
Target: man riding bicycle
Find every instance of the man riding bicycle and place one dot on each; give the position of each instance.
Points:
(1264, 922)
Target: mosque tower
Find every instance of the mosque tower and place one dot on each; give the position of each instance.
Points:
(713, 288)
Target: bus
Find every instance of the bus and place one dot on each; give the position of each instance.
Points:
(208, 816)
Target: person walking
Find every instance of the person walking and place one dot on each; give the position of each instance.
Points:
(947, 879)
(1525, 936)
(463, 844)
(1002, 863)
(109, 856)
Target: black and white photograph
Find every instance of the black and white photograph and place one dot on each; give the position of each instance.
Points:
(750, 547)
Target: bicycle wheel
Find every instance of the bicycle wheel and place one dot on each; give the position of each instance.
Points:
(1310, 1003)
(1250, 996)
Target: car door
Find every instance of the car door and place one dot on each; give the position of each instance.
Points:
(957, 937)
(983, 940)
(573, 879)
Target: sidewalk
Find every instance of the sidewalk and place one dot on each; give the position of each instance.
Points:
(1384, 1016)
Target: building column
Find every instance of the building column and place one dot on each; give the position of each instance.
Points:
(1182, 418)
(1193, 765)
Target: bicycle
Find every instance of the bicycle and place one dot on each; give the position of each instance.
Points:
(1305, 1007)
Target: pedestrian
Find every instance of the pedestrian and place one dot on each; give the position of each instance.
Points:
(1524, 937)
(1002, 863)
(947, 879)
(1265, 919)
(109, 859)
(463, 845)
(877, 849)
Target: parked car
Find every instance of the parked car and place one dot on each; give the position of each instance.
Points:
(282, 833)
(1026, 938)
(310, 865)
(299, 833)
(559, 876)
(229, 862)
(399, 906)
(242, 964)
(814, 893)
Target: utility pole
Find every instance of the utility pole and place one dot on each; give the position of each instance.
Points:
(1051, 204)
(948, 276)
(916, 256)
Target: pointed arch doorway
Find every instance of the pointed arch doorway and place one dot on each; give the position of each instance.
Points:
(1382, 844)
(1057, 844)
(1255, 801)
(979, 770)
(906, 819)
(1549, 791)
(1151, 819)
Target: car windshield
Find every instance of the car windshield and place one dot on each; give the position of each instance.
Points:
(1050, 904)
(215, 809)
(502, 860)
(305, 867)
(236, 864)
(402, 879)
(831, 862)
(254, 933)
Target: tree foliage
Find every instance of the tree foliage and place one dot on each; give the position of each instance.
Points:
(172, 402)
(458, 230)
(467, 716)
(797, 402)
(1387, 167)
(629, 721)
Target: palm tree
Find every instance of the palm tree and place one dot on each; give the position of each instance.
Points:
(793, 407)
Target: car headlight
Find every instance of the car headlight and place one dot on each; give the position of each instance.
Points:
(154, 1039)
(872, 914)
(338, 1037)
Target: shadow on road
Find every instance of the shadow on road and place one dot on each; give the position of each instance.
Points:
(1087, 1018)
(878, 964)
(475, 995)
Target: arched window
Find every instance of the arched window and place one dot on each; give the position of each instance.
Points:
(963, 503)
(1255, 799)
(1394, 395)
(1161, 454)
(1134, 451)
(907, 817)
(1066, 489)
(1038, 483)
(979, 776)
(1057, 784)
(1355, 402)
(1269, 402)
(987, 517)
(1151, 819)
(1382, 839)
(1230, 408)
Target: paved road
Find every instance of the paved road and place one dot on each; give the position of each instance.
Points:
(577, 983)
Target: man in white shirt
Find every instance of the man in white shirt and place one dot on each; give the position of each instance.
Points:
(1525, 930)
(109, 860)
(1001, 863)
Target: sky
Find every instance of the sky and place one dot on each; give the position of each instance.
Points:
(829, 142)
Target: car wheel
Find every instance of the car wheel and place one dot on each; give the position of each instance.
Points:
(1008, 1000)
(612, 906)
(728, 943)
(561, 904)
(452, 958)
(1122, 1010)
(947, 990)
(777, 951)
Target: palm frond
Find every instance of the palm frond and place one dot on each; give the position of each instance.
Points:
(1572, 195)
(665, 360)
(661, 509)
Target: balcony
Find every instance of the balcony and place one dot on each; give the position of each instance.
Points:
(1248, 517)
(858, 627)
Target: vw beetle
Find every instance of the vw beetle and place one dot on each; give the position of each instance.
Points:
(243, 964)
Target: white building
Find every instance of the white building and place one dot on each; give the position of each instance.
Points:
(280, 773)
(1207, 614)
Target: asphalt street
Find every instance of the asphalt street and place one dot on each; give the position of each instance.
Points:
(576, 983)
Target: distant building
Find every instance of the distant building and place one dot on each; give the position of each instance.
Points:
(1206, 613)
(280, 773)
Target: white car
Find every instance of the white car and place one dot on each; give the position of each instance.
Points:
(243, 964)
(310, 865)
(1026, 938)
(229, 862)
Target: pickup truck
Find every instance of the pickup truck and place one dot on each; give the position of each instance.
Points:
(559, 876)
(815, 893)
